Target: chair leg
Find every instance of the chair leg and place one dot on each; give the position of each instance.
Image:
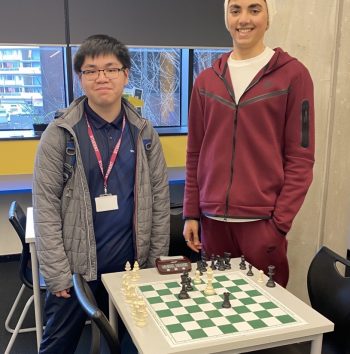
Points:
(19, 324)
(13, 308)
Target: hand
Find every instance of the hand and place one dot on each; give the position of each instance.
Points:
(191, 236)
(63, 293)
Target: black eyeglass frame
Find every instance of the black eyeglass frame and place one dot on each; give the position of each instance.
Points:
(108, 70)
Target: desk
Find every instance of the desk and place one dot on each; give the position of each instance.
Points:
(30, 238)
(150, 339)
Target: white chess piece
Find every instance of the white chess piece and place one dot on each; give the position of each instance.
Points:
(141, 313)
(261, 276)
(135, 271)
(197, 277)
(127, 266)
(209, 290)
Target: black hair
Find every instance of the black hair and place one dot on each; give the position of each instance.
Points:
(101, 44)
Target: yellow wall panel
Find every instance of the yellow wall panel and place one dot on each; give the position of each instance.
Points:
(17, 156)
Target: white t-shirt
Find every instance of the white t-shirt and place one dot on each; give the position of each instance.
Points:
(242, 73)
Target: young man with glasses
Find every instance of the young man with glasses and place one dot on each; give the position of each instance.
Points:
(113, 209)
(250, 147)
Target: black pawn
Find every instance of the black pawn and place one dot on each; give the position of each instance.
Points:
(221, 264)
(227, 258)
(212, 266)
(189, 286)
(183, 293)
(204, 259)
(199, 267)
(242, 265)
(271, 271)
(250, 272)
(226, 304)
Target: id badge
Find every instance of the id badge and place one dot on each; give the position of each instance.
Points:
(106, 202)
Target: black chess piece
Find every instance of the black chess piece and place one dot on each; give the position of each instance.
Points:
(250, 272)
(189, 286)
(242, 265)
(204, 258)
(227, 258)
(226, 304)
(212, 266)
(183, 293)
(271, 272)
(199, 267)
(221, 264)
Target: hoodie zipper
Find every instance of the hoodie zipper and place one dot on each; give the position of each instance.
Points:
(235, 124)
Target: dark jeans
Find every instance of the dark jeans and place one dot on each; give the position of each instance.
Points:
(65, 321)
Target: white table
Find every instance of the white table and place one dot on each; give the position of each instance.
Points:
(150, 338)
(30, 238)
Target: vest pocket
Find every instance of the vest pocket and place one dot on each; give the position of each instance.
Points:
(305, 123)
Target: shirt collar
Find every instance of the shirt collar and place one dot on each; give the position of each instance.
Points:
(99, 122)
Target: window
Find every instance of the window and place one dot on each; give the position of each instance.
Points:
(154, 84)
(31, 85)
(204, 58)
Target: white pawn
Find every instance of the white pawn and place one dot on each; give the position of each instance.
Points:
(141, 313)
(197, 277)
(261, 276)
(127, 266)
(209, 290)
(135, 271)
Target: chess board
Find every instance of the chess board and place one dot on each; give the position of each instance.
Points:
(202, 317)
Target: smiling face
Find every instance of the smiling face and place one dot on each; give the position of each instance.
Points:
(247, 22)
(103, 94)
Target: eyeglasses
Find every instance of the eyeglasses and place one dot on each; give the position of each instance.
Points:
(110, 73)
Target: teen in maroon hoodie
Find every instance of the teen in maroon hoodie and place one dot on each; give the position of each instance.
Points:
(250, 150)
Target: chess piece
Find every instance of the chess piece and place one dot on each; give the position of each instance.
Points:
(209, 290)
(183, 293)
(212, 266)
(271, 272)
(227, 259)
(261, 276)
(140, 313)
(242, 265)
(189, 286)
(135, 271)
(197, 278)
(250, 272)
(127, 266)
(221, 264)
(226, 304)
(204, 259)
(199, 267)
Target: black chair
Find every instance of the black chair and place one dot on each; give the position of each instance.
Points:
(329, 293)
(18, 220)
(99, 322)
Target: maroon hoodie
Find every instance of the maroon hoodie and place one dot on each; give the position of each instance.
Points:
(252, 158)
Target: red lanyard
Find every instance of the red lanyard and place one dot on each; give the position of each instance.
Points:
(98, 154)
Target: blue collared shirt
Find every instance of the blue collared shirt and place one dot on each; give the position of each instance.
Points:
(113, 229)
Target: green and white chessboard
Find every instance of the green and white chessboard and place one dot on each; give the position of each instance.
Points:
(202, 318)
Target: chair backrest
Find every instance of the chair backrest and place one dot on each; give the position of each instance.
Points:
(18, 220)
(98, 318)
(329, 290)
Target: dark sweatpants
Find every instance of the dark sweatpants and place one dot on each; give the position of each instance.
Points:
(65, 321)
(259, 241)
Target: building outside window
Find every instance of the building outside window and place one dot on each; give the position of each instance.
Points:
(33, 85)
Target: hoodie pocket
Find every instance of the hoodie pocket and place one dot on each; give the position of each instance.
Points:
(305, 123)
